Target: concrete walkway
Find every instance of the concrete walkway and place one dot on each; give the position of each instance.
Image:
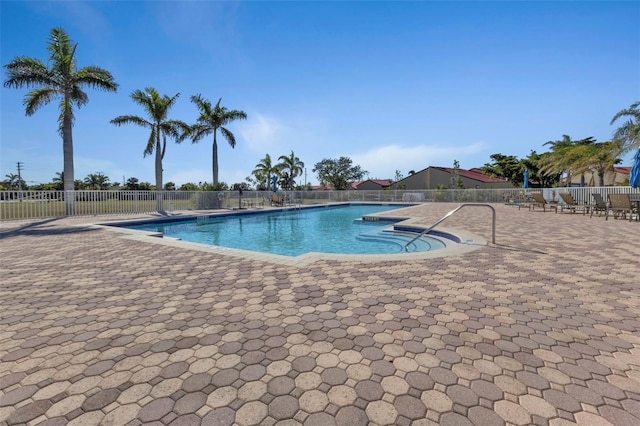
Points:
(542, 328)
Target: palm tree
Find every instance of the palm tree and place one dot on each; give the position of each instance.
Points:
(629, 132)
(210, 120)
(96, 181)
(598, 157)
(291, 167)
(157, 107)
(263, 171)
(60, 79)
(564, 157)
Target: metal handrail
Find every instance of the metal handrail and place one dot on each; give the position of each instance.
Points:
(493, 222)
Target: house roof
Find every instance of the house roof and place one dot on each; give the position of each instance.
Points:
(381, 182)
(475, 174)
(622, 170)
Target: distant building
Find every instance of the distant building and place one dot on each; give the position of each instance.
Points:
(373, 184)
(434, 177)
(619, 176)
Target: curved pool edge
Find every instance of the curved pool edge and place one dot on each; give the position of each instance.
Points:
(469, 243)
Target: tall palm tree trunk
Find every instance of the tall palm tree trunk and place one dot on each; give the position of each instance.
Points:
(67, 154)
(215, 159)
(159, 193)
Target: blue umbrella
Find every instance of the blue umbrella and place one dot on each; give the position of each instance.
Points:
(274, 181)
(634, 176)
(525, 184)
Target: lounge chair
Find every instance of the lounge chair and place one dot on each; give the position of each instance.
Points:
(571, 204)
(276, 200)
(600, 206)
(539, 201)
(620, 205)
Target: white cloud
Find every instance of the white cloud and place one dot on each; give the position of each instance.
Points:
(382, 162)
(261, 133)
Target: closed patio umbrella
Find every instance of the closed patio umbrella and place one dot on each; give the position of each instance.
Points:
(525, 184)
(634, 177)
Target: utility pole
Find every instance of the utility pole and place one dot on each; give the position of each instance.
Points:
(20, 166)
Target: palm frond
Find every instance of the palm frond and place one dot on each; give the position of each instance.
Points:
(228, 136)
(131, 119)
(151, 142)
(96, 78)
(199, 131)
(38, 98)
(27, 72)
(78, 96)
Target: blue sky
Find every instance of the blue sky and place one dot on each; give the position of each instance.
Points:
(392, 85)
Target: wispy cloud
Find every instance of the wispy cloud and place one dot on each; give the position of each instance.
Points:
(262, 134)
(382, 162)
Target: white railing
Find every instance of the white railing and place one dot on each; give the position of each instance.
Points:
(51, 204)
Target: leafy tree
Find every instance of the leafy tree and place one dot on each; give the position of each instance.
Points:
(60, 79)
(456, 181)
(210, 120)
(263, 172)
(157, 108)
(58, 181)
(220, 186)
(338, 173)
(286, 182)
(532, 164)
(290, 167)
(506, 167)
(170, 186)
(188, 187)
(133, 184)
(96, 181)
(145, 186)
(629, 132)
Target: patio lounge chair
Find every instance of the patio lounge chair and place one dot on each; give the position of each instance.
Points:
(571, 204)
(600, 206)
(539, 201)
(620, 205)
(276, 200)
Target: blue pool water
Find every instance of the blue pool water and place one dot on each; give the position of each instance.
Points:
(295, 232)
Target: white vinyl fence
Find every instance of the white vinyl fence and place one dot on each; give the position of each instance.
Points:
(52, 204)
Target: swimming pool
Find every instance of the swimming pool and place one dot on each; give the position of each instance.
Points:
(335, 229)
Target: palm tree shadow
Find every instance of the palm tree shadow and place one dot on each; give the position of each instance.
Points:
(41, 228)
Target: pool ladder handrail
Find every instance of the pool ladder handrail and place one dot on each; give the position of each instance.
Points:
(426, 231)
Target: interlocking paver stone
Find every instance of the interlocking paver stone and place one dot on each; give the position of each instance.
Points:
(541, 333)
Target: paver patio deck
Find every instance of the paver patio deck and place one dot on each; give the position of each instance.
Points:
(542, 328)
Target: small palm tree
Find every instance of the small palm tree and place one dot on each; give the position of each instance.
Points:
(60, 79)
(263, 171)
(157, 108)
(96, 181)
(210, 120)
(292, 167)
(629, 132)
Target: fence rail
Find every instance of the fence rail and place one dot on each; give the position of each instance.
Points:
(52, 204)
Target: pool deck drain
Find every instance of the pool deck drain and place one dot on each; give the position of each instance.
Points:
(541, 328)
